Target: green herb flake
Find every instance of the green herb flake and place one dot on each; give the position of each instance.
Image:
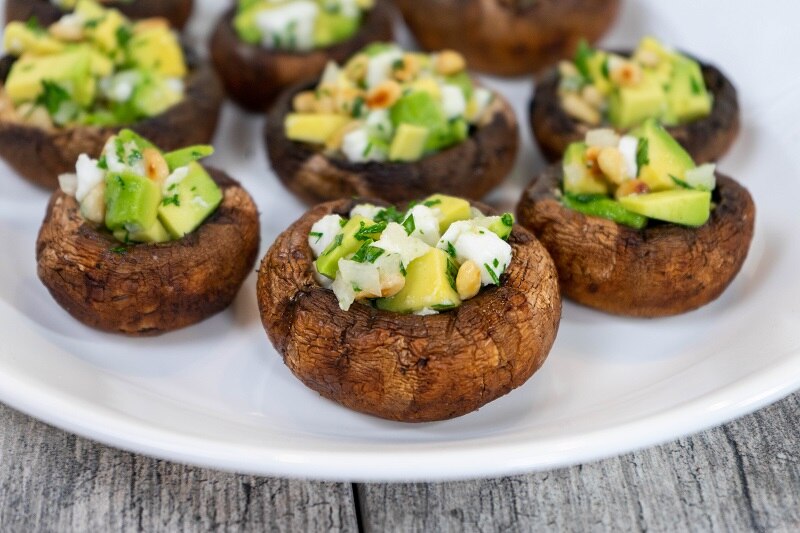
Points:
(34, 25)
(398, 64)
(409, 225)
(368, 253)
(582, 56)
(52, 96)
(364, 232)
(431, 203)
(492, 273)
(452, 273)
(172, 200)
(337, 241)
(443, 307)
(120, 250)
(102, 163)
(342, 222)
(451, 250)
(496, 263)
(642, 153)
(134, 157)
(124, 35)
(680, 183)
(507, 219)
(390, 214)
(358, 106)
(316, 234)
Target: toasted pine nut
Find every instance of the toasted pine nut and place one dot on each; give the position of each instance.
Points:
(450, 62)
(151, 24)
(591, 157)
(627, 74)
(577, 108)
(593, 97)
(155, 166)
(35, 115)
(567, 69)
(468, 281)
(648, 58)
(334, 142)
(632, 187)
(408, 69)
(612, 164)
(305, 102)
(66, 31)
(392, 284)
(344, 99)
(384, 95)
(356, 68)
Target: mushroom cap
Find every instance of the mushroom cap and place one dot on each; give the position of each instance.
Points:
(662, 270)
(176, 11)
(40, 155)
(150, 288)
(508, 37)
(470, 168)
(408, 368)
(254, 76)
(705, 139)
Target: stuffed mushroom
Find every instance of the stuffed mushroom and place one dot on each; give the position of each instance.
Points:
(261, 47)
(696, 102)
(414, 316)
(142, 242)
(48, 11)
(393, 125)
(68, 87)
(508, 37)
(635, 227)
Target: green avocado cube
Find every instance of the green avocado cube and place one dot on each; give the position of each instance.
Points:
(604, 207)
(451, 209)
(679, 206)
(420, 108)
(578, 179)
(126, 135)
(346, 242)
(154, 95)
(184, 156)
(629, 106)
(660, 157)
(430, 283)
(331, 28)
(70, 70)
(131, 202)
(501, 225)
(687, 97)
(155, 233)
(187, 203)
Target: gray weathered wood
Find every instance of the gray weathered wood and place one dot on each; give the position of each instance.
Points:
(53, 481)
(744, 476)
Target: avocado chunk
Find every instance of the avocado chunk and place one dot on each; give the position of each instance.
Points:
(603, 207)
(629, 106)
(126, 136)
(131, 202)
(660, 157)
(155, 233)
(500, 225)
(156, 48)
(420, 108)
(346, 242)
(184, 156)
(679, 206)
(20, 38)
(408, 143)
(450, 209)
(430, 283)
(189, 202)
(313, 127)
(331, 28)
(154, 95)
(578, 178)
(70, 70)
(687, 97)
(108, 29)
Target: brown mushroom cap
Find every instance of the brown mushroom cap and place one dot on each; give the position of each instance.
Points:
(406, 367)
(508, 37)
(176, 11)
(470, 168)
(662, 270)
(150, 288)
(254, 76)
(40, 155)
(706, 139)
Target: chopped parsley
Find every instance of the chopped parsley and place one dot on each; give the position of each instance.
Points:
(390, 214)
(367, 253)
(102, 162)
(409, 225)
(52, 96)
(680, 183)
(507, 219)
(492, 273)
(120, 250)
(451, 250)
(358, 106)
(431, 203)
(452, 273)
(337, 241)
(172, 200)
(316, 234)
(364, 232)
(33, 25)
(134, 156)
(124, 35)
(642, 153)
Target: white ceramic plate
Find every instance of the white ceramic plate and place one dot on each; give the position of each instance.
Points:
(218, 395)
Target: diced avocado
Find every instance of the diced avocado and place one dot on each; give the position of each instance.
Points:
(660, 157)
(578, 178)
(155, 233)
(20, 38)
(101, 65)
(127, 135)
(184, 156)
(156, 48)
(189, 202)
(69, 69)
(680, 206)
(419, 108)
(345, 243)
(687, 97)
(313, 127)
(430, 283)
(463, 81)
(653, 45)
(603, 207)
(155, 94)
(429, 86)
(598, 71)
(450, 209)
(408, 143)
(501, 225)
(131, 202)
(629, 106)
(331, 28)
(245, 21)
(109, 32)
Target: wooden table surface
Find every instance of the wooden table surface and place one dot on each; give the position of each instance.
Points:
(740, 477)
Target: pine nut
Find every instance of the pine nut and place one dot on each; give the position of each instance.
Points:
(305, 102)
(384, 95)
(356, 68)
(626, 74)
(632, 187)
(567, 69)
(450, 62)
(155, 166)
(593, 97)
(392, 284)
(334, 142)
(468, 281)
(577, 108)
(612, 165)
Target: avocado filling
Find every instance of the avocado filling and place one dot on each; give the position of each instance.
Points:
(299, 25)
(389, 105)
(428, 259)
(633, 178)
(141, 194)
(656, 82)
(93, 67)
